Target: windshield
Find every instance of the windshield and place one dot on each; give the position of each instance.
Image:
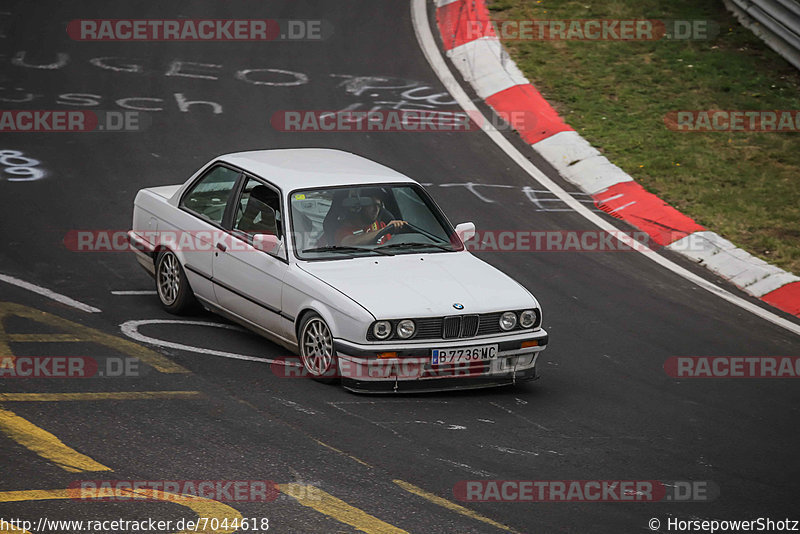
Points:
(369, 220)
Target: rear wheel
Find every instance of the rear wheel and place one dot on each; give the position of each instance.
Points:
(316, 349)
(172, 286)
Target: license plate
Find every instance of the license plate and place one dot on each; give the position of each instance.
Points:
(463, 354)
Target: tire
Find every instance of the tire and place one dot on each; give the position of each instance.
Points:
(172, 286)
(315, 342)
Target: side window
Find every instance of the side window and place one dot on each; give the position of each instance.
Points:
(209, 196)
(258, 211)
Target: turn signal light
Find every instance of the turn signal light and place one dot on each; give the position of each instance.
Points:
(387, 355)
(526, 344)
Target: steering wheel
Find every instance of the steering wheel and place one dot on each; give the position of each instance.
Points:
(381, 233)
(386, 229)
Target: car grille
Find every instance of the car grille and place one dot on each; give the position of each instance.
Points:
(452, 327)
(489, 324)
(430, 328)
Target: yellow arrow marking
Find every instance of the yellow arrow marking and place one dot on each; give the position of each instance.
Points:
(77, 332)
(7, 528)
(329, 505)
(98, 396)
(411, 488)
(43, 338)
(46, 444)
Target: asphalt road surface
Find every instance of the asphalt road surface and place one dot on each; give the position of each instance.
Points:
(604, 408)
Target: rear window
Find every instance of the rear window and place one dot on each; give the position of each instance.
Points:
(209, 196)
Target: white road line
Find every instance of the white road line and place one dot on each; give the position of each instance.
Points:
(613, 197)
(468, 468)
(623, 206)
(422, 29)
(131, 329)
(508, 450)
(446, 426)
(132, 293)
(295, 406)
(58, 297)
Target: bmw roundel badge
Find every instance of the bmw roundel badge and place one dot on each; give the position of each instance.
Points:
(458, 306)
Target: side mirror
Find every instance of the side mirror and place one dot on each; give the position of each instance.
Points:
(465, 231)
(266, 242)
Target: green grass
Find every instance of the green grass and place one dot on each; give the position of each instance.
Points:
(743, 185)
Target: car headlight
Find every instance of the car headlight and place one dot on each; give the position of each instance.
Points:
(382, 329)
(406, 328)
(508, 321)
(527, 318)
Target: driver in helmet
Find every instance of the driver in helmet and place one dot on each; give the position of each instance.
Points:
(364, 223)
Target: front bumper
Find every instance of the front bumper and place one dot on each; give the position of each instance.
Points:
(365, 368)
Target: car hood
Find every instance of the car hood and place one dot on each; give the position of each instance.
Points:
(422, 285)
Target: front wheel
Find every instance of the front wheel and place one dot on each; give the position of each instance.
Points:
(172, 286)
(316, 349)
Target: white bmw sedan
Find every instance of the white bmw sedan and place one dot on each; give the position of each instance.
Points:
(343, 261)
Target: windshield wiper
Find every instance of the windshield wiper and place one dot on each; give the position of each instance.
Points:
(416, 245)
(423, 232)
(344, 249)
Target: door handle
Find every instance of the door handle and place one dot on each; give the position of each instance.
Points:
(222, 247)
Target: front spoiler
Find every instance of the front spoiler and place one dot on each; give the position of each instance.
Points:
(397, 386)
(363, 370)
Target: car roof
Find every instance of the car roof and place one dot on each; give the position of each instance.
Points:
(296, 168)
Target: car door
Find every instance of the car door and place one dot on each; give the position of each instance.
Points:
(247, 281)
(198, 223)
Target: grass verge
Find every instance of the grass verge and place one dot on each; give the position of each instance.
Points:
(742, 185)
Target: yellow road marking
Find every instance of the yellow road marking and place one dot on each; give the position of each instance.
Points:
(98, 396)
(46, 444)
(5, 350)
(80, 333)
(12, 530)
(339, 510)
(206, 509)
(43, 338)
(411, 488)
(362, 462)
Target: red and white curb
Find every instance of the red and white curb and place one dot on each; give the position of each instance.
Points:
(483, 62)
